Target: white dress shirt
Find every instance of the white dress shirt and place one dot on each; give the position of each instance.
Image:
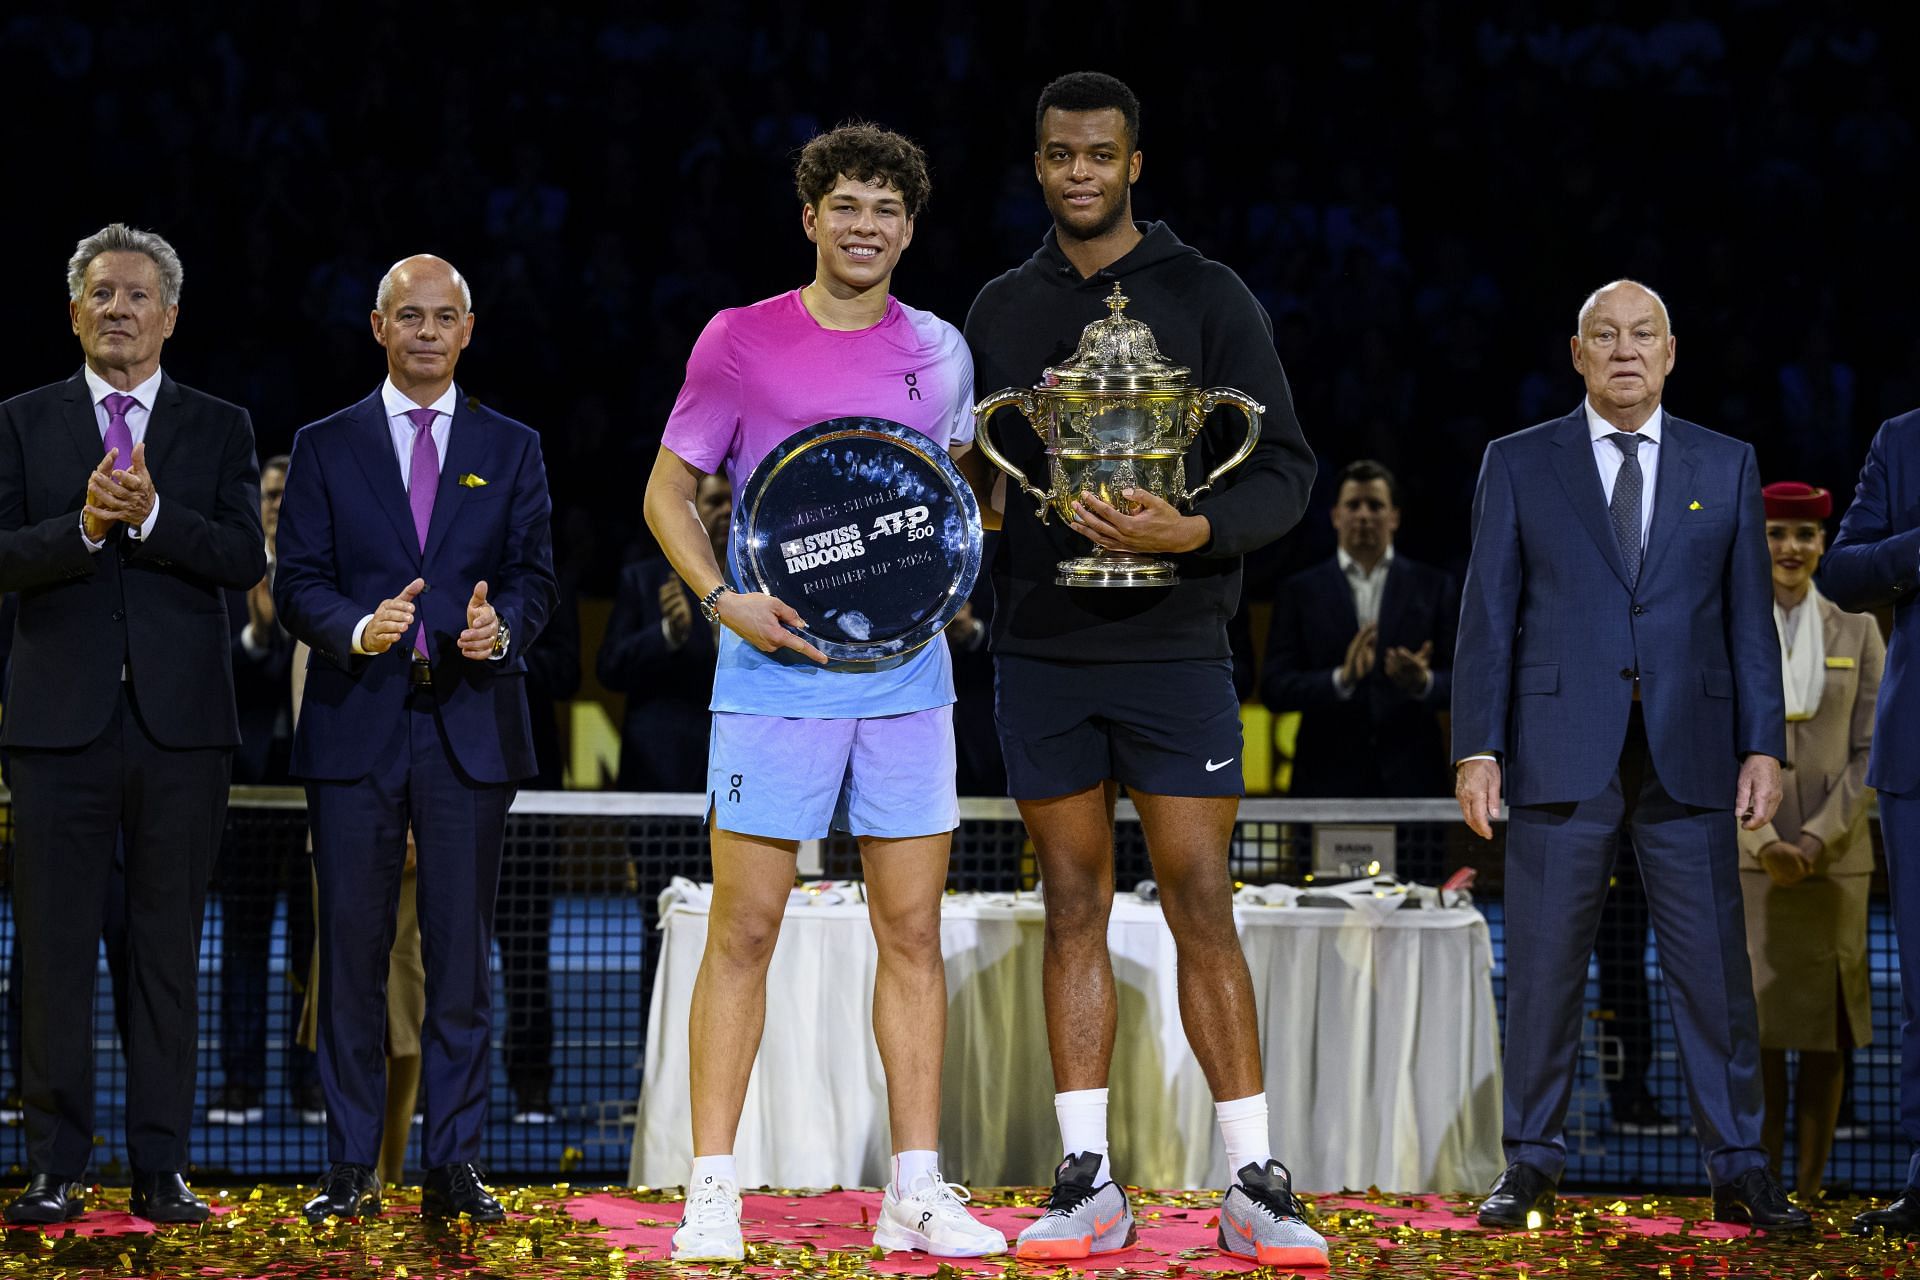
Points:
(400, 427)
(1367, 585)
(1609, 458)
(138, 414)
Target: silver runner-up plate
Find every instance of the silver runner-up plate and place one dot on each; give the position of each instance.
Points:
(867, 529)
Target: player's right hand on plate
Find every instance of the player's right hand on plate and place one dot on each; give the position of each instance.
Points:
(763, 621)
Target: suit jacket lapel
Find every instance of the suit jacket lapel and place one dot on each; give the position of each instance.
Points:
(466, 450)
(83, 428)
(1670, 490)
(163, 424)
(373, 451)
(1580, 477)
(1344, 617)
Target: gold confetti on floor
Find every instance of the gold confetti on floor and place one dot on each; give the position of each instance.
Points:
(622, 1234)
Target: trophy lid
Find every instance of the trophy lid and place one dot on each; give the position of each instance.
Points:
(1116, 354)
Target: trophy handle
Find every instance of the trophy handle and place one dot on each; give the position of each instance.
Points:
(1022, 399)
(1205, 403)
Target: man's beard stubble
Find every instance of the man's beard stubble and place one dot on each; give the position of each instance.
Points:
(1107, 223)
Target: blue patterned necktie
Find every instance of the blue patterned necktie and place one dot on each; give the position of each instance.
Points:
(1625, 506)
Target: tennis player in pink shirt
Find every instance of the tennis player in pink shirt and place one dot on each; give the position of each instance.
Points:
(800, 748)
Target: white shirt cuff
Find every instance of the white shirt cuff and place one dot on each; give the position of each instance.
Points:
(251, 641)
(91, 544)
(1341, 689)
(360, 631)
(1427, 688)
(1484, 755)
(146, 526)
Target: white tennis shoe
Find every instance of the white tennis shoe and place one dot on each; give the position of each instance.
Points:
(933, 1218)
(710, 1225)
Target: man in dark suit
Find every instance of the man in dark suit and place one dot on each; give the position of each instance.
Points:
(1362, 647)
(120, 716)
(416, 561)
(1618, 670)
(660, 652)
(1874, 563)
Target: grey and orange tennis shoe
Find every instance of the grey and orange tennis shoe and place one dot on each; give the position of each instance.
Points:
(1261, 1219)
(1081, 1219)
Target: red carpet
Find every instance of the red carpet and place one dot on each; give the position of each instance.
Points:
(624, 1235)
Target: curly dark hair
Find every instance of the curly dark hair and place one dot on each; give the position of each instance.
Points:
(1090, 91)
(866, 153)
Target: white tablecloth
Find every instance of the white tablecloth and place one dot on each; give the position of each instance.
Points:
(1377, 1031)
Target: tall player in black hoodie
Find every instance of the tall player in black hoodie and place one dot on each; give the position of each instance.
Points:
(1097, 689)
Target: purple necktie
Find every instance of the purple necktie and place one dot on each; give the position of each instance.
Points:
(423, 481)
(119, 435)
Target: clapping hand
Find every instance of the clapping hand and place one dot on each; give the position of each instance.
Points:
(1410, 668)
(391, 619)
(118, 495)
(1361, 652)
(483, 625)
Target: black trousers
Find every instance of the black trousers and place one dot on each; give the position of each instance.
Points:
(69, 807)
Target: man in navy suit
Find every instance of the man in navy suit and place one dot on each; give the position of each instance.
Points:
(127, 502)
(1618, 670)
(1362, 647)
(1874, 563)
(416, 561)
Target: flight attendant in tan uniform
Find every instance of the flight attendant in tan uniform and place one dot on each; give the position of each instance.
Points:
(1806, 874)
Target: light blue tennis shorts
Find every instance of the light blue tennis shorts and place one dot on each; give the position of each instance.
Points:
(789, 778)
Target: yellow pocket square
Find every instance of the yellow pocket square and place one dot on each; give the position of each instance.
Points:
(471, 480)
(1691, 506)
(1840, 664)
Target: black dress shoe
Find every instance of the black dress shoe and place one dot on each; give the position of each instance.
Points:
(1901, 1218)
(48, 1198)
(454, 1189)
(164, 1198)
(1517, 1194)
(1757, 1199)
(348, 1191)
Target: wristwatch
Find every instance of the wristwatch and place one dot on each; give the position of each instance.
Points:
(710, 602)
(501, 639)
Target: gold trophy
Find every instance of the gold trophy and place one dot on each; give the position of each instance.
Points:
(1116, 416)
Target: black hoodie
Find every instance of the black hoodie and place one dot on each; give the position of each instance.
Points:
(1204, 318)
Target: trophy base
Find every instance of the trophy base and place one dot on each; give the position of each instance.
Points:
(1111, 569)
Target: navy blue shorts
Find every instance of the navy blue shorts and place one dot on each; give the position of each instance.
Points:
(1165, 728)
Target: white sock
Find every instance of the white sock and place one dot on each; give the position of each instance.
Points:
(1243, 1128)
(1083, 1126)
(909, 1167)
(707, 1168)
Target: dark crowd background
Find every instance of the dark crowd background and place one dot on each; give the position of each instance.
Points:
(1420, 194)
